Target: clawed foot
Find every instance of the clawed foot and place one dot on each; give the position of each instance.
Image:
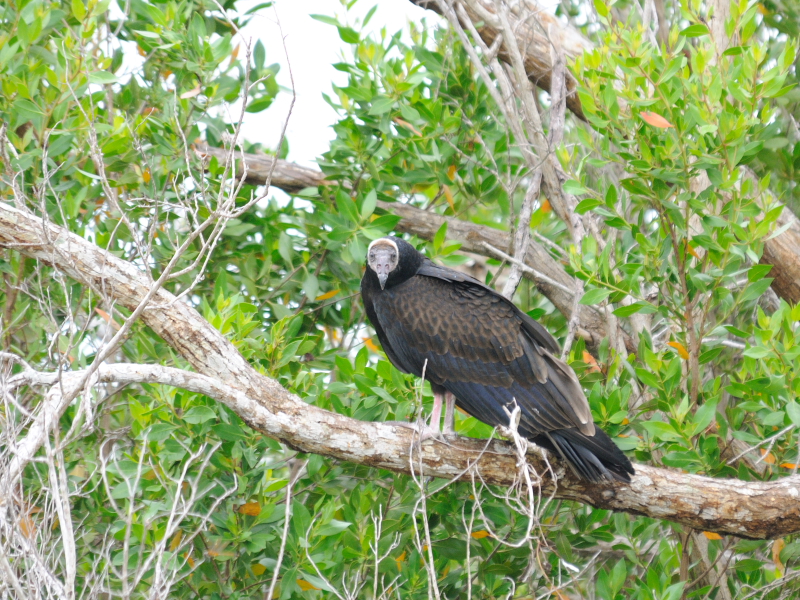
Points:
(426, 432)
(431, 431)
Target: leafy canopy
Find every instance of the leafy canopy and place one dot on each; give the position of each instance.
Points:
(105, 145)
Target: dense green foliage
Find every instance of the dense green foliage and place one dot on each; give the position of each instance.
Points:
(103, 145)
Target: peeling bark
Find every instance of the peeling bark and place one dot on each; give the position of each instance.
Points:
(746, 509)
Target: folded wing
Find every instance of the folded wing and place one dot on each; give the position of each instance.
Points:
(479, 346)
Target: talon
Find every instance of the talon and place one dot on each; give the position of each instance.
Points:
(429, 433)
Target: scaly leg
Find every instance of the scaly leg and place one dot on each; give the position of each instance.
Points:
(449, 414)
(432, 430)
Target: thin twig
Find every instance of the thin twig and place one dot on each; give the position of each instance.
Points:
(540, 277)
(295, 467)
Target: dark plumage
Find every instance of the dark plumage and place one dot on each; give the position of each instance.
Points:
(483, 351)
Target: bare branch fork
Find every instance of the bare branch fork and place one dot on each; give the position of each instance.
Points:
(748, 509)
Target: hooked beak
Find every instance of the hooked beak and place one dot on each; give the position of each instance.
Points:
(382, 260)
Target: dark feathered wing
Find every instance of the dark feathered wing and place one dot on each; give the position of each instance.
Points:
(487, 352)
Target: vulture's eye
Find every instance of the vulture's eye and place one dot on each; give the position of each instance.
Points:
(372, 256)
(394, 256)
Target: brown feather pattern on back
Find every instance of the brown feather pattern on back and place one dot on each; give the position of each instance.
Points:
(476, 344)
(472, 335)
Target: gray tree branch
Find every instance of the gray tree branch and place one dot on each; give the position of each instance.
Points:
(742, 508)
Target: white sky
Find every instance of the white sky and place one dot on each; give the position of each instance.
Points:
(312, 48)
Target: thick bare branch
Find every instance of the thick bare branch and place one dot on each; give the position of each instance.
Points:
(748, 509)
(474, 238)
(781, 251)
(287, 176)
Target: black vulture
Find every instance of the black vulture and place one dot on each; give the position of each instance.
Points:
(479, 351)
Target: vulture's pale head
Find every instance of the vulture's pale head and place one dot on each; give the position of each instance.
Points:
(383, 257)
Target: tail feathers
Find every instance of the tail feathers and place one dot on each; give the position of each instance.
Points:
(593, 458)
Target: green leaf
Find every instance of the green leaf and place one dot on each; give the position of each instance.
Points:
(736, 331)
(78, 9)
(748, 565)
(793, 410)
(674, 592)
(333, 527)
(259, 104)
(734, 51)
(662, 431)
(611, 197)
(586, 205)
(696, 30)
(648, 378)
(325, 19)
(199, 414)
(790, 552)
(381, 105)
(635, 186)
(235, 228)
(344, 366)
(626, 443)
(259, 7)
(311, 286)
(348, 35)
(710, 354)
(757, 272)
(574, 187)
(102, 77)
(637, 307)
(158, 432)
(368, 204)
(703, 417)
(228, 432)
(757, 352)
(384, 394)
(347, 208)
(27, 109)
(441, 236)
(602, 7)
(385, 223)
(370, 12)
(673, 67)
(756, 290)
(285, 247)
(595, 296)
